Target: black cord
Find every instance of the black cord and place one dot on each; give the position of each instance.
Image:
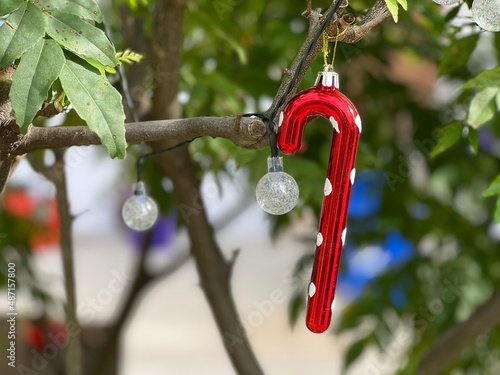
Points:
(123, 81)
(135, 117)
(140, 160)
(320, 31)
(272, 128)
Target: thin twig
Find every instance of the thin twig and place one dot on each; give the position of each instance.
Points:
(57, 175)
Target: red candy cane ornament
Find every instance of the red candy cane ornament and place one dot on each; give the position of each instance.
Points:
(325, 100)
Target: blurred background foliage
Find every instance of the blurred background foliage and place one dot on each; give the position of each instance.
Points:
(424, 160)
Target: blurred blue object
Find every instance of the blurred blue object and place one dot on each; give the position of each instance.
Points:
(163, 232)
(398, 296)
(400, 248)
(361, 265)
(487, 140)
(366, 194)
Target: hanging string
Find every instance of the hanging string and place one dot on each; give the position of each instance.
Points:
(325, 48)
(336, 43)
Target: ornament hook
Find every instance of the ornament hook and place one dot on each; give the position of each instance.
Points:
(328, 77)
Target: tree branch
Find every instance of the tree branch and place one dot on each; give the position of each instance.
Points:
(57, 175)
(440, 356)
(143, 279)
(343, 26)
(349, 32)
(9, 131)
(213, 269)
(6, 111)
(243, 131)
(314, 23)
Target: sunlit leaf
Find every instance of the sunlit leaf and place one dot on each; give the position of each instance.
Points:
(98, 103)
(39, 68)
(487, 78)
(128, 57)
(497, 212)
(483, 106)
(21, 31)
(134, 4)
(404, 4)
(392, 5)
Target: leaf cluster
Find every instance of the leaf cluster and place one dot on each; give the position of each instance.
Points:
(61, 57)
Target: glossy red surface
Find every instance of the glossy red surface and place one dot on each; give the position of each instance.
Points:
(346, 125)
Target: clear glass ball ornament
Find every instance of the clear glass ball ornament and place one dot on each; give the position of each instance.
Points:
(446, 2)
(140, 211)
(277, 192)
(486, 13)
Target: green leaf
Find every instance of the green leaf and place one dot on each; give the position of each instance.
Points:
(20, 32)
(493, 189)
(134, 4)
(354, 351)
(457, 54)
(452, 14)
(229, 39)
(487, 78)
(449, 135)
(404, 4)
(483, 107)
(39, 68)
(497, 212)
(392, 5)
(128, 57)
(80, 37)
(100, 67)
(8, 6)
(473, 138)
(295, 307)
(98, 103)
(87, 9)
